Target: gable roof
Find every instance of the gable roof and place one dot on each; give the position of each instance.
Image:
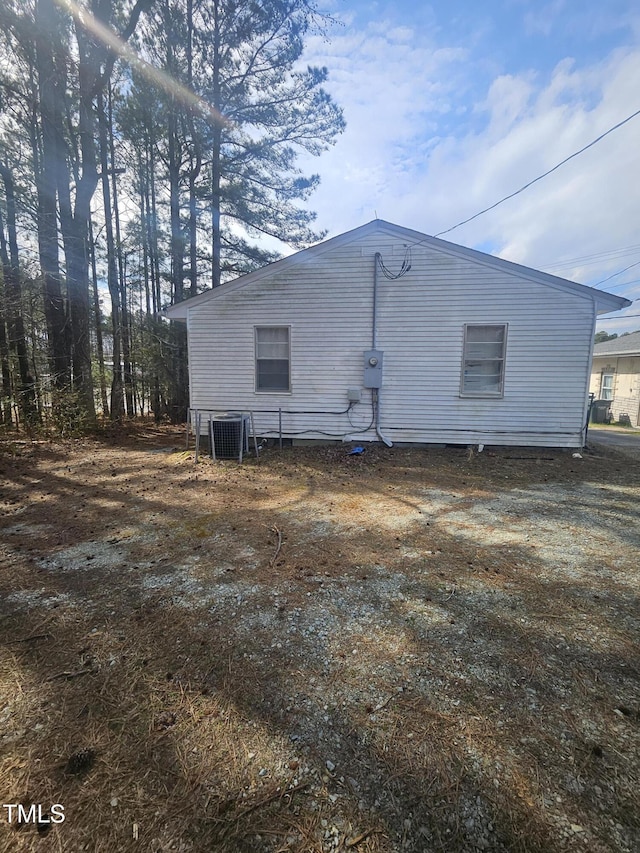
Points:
(605, 302)
(624, 345)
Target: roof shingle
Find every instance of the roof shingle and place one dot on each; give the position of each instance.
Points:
(624, 345)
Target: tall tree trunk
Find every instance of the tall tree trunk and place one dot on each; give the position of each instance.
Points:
(46, 183)
(97, 313)
(151, 226)
(143, 194)
(153, 220)
(126, 349)
(216, 248)
(177, 234)
(145, 283)
(78, 256)
(13, 296)
(94, 66)
(6, 393)
(193, 233)
(179, 390)
(195, 165)
(117, 391)
(125, 326)
(216, 172)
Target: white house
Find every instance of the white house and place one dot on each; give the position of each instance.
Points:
(384, 333)
(615, 376)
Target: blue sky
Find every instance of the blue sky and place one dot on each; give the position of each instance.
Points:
(452, 105)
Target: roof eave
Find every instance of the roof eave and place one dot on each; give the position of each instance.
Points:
(614, 303)
(180, 311)
(604, 302)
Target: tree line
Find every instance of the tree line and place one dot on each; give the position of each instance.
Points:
(146, 148)
(601, 337)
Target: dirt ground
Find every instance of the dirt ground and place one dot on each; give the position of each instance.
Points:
(407, 650)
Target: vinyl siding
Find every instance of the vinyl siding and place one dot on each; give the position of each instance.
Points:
(328, 306)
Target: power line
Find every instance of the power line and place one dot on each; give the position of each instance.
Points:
(623, 317)
(613, 275)
(616, 286)
(598, 257)
(540, 177)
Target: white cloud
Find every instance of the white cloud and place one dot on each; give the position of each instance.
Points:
(542, 19)
(393, 93)
(426, 147)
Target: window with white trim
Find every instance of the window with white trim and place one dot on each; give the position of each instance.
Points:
(606, 386)
(273, 358)
(483, 360)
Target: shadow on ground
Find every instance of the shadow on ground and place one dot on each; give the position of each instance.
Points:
(412, 651)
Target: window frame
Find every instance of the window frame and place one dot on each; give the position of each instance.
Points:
(486, 395)
(258, 390)
(606, 375)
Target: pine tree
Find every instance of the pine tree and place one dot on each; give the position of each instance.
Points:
(204, 149)
(231, 151)
(269, 110)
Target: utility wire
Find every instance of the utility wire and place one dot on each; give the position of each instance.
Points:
(624, 317)
(598, 257)
(613, 275)
(620, 284)
(540, 177)
(404, 269)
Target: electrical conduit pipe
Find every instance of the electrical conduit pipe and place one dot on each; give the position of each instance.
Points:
(376, 391)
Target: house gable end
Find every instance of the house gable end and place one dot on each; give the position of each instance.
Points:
(602, 300)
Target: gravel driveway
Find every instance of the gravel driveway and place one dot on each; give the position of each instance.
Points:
(409, 650)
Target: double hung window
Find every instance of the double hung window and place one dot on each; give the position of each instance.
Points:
(483, 360)
(606, 386)
(273, 358)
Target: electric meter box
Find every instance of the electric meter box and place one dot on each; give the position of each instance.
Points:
(373, 368)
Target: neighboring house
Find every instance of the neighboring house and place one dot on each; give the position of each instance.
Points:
(437, 343)
(615, 376)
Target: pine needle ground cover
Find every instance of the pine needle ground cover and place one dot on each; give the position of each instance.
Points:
(405, 650)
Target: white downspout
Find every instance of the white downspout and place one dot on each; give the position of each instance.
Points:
(585, 416)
